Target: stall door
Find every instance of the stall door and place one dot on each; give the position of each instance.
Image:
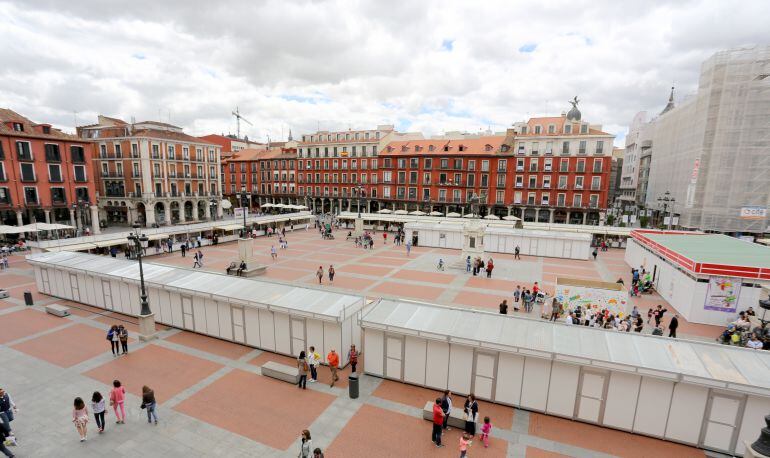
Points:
(721, 426)
(394, 356)
(188, 319)
(74, 288)
(532, 247)
(591, 395)
(107, 292)
(239, 330)
(441, 240)
(567, 254)
(297, 335)
(44, 279)
(484, 374)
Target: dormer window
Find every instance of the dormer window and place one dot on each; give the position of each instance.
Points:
(524, 130)
(404, 148)
(504, 148)
(446, 147)
(584, 129)
(18, 127)
(567, 128)
(461, 148)
(431, 147)
(551, 129)
(487, 147)
(538, 130)
(46, 129)
(417, 148)
(390, 149)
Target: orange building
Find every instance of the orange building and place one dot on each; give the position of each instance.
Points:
(266, 174)
(45, 175)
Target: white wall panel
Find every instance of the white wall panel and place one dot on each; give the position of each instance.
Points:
(225, 321)
(414, 360)
(332, 339)
(460, 368)
(686, 414)
(373, 351)
(211, 320)
(282, 333)
(199, 310)
(437, 365)
(314, 337)
(563, 389)
(266, 329)
(510, 369)
(534, 391)
(176, 306)
(753, 421)
(251, 323)
(622, 392)
(652, 406)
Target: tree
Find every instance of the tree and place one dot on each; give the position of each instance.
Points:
(610, 219)
(643, 220)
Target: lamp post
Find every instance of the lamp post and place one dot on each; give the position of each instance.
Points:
(146, 317)
(359, 193)
(245, 201)
(667, 199)
(212, 209)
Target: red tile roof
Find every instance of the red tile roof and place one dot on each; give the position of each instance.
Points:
(31, 129)
(470, 146)
(254, 154)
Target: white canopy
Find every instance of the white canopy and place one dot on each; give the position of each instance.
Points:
(511, 218)
(490, 216)
(417, 213)
(470, 215)
(384, 211)
(435, 213)
(710, 364)
(400, 212)
(279, 205)
(453, 215)
(266, 205)
(34, 227)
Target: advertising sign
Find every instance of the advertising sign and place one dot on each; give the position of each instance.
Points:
(753, 212)
(238, 212)
(723, 294)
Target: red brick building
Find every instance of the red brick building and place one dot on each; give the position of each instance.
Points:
(230, 144)
(45, 175)
(266, 174)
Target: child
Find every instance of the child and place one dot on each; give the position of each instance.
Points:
(465, 442)
(440, 265)
(117, 401)
(485, 430)
(80, 418)
(97, 406)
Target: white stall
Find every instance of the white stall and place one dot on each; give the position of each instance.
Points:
(271, 316)
(709, 278)
(502, 237)
(701, 394)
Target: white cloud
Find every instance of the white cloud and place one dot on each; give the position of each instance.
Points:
(430, 65)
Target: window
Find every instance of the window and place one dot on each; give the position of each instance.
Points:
(402, 163)
(499, 197)
(533, 165)
(567, 128)
(520, 164)
(517, 197)
(484, 180)
(18, 127)
(485, 166)
(596, 183)
(54, 173)
(5, 196)
(171, 152)
(599, 148)
(548, 148)
(547, 181)
(577, 200)
(565, 148)
(30, 195)
(118, 152)
(581, 166)
(414, 163)
(78, 154)
(444, 163)
(428, 164)
(564, 165)
(386, 176)
(386, 192)
(584, 128)
(2, 172)
(472, 165)
(501, 181)
(58, 196)
(578, 182)
(560, 200)
(519, 181)
(80, 173)
(582, 147)
(532, 181)
(531, 198)
(23, 151)
(471, 180)
(593, 201)
(524, 130)
(458, 164)
(2, 152)
(562, 182)
(52, 153)
(545, 198)
(547, 166)
(27, 172)
(502, 165)
(538, 130)
(551, 129)
(535, 148)
(597, 166)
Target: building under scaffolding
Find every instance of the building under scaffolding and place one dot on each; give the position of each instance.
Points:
(712, 151)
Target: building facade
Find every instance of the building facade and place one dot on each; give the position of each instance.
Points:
(45, 175)
(153, 173)
(616, 171)
(230, 144)
(266, 175)
(711, 151)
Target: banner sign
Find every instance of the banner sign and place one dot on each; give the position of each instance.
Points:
(753, 212)
(723, 294)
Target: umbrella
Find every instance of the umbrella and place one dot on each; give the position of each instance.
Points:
(452, 215)
(470, 215)
(417, 213)
(510, 218)
(384, 210)
(266, 205)
(301, 207)
(490, 216)
(435, 213)
(401, 212)
(279, 206)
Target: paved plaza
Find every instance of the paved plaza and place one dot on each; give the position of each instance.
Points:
(213, 400)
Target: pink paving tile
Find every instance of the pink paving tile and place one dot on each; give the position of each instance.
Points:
(419, 275)
(4, 304)
(254, 412)
(23, 323)
(380, 261)
(209, 344)
(67, 347)
(364, 269)
(493, 283)
(303, 265)
(18, 292)
(327, 258)
(374, 432)
(7, 280)
(569, 271)
(283, 274)
(533, 452)
(167, 372)
(324, 373)
(491, 301)
(343, 281)
(414, 291)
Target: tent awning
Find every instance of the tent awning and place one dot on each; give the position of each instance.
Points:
(74, 247)
(230, 227)
(113, 242)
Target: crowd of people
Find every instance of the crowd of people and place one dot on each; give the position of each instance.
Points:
(442, 410)
(747, 331)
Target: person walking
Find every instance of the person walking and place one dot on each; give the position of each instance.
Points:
(465, 442)
(197, 261)
(438, 422)
(594, 254)
(114, 337)
(149, 404)
(117, 401)
(486, 429)
(183, 249)
(302, 367)
(314, 359)
(384, 238)
(80, 418)
(170, 244)
(516, 297)
(504, 307)
(471, 413)
(516, 253)
(658, 314)
(306, 445)
(446, 407)
(5, 434)
(353, 355)
(123, 335)
(320, 274)
(490, 266)
(468, 264)
(673, 325)
(408, 247)
(200, 258)
(333, 360)
(98, 408)
(331, 274)
(273, 253)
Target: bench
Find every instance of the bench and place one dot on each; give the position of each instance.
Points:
(455, 415)
(281, 372)
(4, 293)
(57, 310)
(250, 270)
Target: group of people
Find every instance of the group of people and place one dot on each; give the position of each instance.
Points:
(4, 261)
(117, 400)
(8, 411)
(308, 362)
(442, 410)
(641, 282)
(117, 335)
(306, 445)
(523, 296)
(746, 331)
(320, 274)
(478, 265)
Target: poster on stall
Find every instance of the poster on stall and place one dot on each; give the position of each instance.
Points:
(592, 295)
(723, 294)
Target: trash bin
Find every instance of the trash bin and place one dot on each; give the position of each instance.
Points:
(28, 298)
(353, 386)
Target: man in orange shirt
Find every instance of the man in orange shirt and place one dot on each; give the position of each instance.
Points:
(334, 361)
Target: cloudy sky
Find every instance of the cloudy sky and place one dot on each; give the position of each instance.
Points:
(428, 66)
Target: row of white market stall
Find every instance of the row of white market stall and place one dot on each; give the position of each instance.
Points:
(702, 394)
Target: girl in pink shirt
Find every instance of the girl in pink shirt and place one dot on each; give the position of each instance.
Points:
(486, 428)
(117, 399)
(465, 441)
(80, 418)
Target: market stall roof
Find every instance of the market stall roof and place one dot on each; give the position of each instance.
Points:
(73, 247)
(709, 254)
(709, 364)
(113, 242)
(584, 228)
(229, 227)
(296, 300)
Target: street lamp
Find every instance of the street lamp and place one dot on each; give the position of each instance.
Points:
(360, 191)
(146, 317)
(212, 209)
(245, 201)
(666, 200)
(474, 203)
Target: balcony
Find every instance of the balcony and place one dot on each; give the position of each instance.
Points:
(500, 186)
(595, 188)
(112, 174)
(110, 193)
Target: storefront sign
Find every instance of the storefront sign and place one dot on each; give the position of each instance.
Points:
(723, 294)
(753, 212)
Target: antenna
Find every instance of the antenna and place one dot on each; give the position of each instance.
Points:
(238, 118)
(75, 118)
